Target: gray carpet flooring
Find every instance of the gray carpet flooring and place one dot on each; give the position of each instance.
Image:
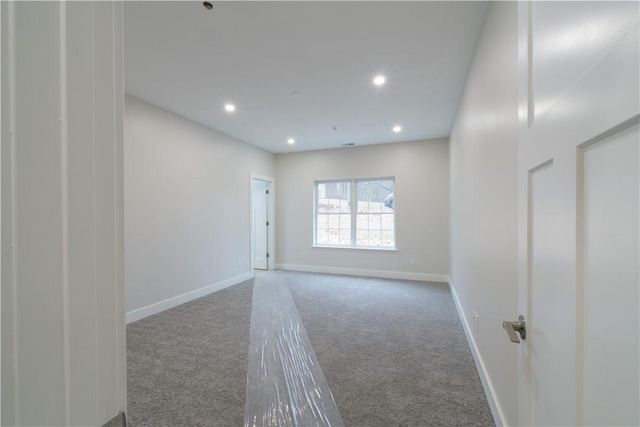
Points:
(393, 353)
(187, 366)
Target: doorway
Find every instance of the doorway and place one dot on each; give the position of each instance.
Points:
(262, 224)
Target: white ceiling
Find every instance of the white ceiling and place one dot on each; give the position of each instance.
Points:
(296, 69)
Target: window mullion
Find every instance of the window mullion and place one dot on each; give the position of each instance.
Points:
(354, 212)
(316, 195)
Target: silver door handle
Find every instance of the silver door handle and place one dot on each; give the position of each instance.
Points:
(512, 327)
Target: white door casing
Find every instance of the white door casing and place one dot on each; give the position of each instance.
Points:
(578, 213)
(262, 211)
(63, 324)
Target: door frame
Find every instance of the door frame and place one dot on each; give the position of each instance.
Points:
(271, 244)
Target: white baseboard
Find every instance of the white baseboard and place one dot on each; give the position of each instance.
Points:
(494, 404)
(400, 275)
(158, 307)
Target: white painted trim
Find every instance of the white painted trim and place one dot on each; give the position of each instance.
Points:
(401, 275)
(261, 177)
(272, 219)
(161, 306)
(489, 391)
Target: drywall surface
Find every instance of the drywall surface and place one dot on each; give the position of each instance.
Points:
(187, 214)
(484, 203)
(421, 172)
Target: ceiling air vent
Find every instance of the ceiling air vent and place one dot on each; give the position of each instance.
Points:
(349, 144)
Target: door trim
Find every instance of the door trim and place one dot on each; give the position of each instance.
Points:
(271, 244)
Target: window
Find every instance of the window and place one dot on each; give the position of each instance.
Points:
(355, 213)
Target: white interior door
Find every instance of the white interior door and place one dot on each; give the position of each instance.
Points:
(260, 213)
(579, 213)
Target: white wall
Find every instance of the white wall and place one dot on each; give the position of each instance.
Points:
(187, 213)
(421, 193)
(63, 331)
(484, 204)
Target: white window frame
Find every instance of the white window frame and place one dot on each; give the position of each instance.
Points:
(354, 214)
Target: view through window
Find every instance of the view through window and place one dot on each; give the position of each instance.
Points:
(355, 213)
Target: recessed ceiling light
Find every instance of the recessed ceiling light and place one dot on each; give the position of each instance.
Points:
(379, 80)
(230, 107)
(397, 128)
(291, 141)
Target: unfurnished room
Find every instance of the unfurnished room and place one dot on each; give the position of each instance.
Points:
(320, 213)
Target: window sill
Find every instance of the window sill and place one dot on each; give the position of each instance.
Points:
(357, 248)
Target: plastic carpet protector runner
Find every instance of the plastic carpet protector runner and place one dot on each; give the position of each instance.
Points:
(285, 384)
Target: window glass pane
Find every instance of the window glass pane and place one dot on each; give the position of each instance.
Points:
(374, 205)
(333, 237)
(374, 192)
(375, 212)
(323, 206)
(322, 221)
(362, 222)
(387, 238)
(333, 222)
(374, 238)
(387, 222)
(363, 238)
(374, 222)
(334, 197)
(345, 222)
